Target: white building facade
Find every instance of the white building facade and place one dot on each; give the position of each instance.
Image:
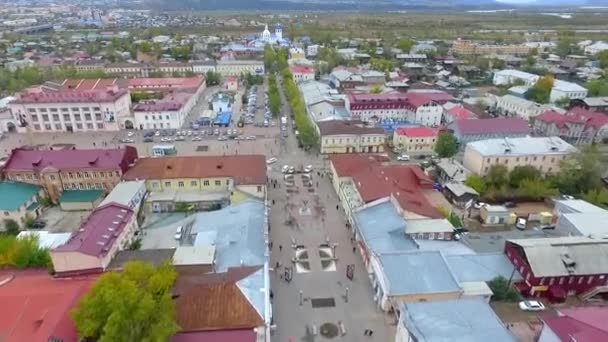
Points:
(239, 67)
(71, 111)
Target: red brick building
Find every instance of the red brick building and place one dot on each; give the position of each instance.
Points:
(555, 268)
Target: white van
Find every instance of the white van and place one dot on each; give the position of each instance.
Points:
(178, 233)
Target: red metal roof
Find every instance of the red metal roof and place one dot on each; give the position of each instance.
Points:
(99, 231)
(302, 70)
(586, 324)
(169, 82)
(36, 307)
(417, 132)
(491, 126)
(238, 335)
(406, 183)
(576, 115)
(65, 160)
(461, 113)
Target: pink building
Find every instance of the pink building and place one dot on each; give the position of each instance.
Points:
(90, 249)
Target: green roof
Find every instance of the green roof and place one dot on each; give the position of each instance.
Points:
(14, 195)
(80, 196)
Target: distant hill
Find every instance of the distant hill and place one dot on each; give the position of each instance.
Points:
(362, 5)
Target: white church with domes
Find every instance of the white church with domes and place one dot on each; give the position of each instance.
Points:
(275, 38)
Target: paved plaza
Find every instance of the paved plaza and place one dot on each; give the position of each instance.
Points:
(316, 222)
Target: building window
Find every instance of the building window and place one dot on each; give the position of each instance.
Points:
(580, 280)
(52, 177)
(89, 126)
(47, 127)
(36, 127)
(193, 183)
(45, 117)
(570, 280)
(66, 117)
(218, 183)
(167, 184)
(100, 125)
(590, 280)
(79, 126)
(542, 281)
(58, 127)
(180, 184)
(561, 280)
(55, 117)
(155, 185)
(86, 175)
(259, 188)
(206, 183)
(71, 175)
(77, 117)
(98, 116)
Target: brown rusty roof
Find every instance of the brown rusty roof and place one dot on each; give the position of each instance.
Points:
(245, 169)
(214, 302)
(340, 127)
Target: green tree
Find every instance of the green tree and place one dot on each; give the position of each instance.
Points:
(581, 171)
(23, 253)
(536, 189)
(446, 145)
(497, 175)
(11, 227)
(212, 78)
(603, 58)
(598, 197)
(597, 87)
(477, 183)
(565, 44)
(133, 305)
(183, 52)
(405, 45)
(520, 173)
(541, 91)
(375, 90)
(381, 64)
(502, 290)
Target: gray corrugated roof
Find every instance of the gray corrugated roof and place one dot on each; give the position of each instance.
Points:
(481, 267)
(591, 224)
(461, 320)
(237, 232)
(382, 228)
(409, 273)
(546, 256)
(522, 146)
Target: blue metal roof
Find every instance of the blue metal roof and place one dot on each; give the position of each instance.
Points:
(482, 267)
(237, 232)
(383, 229)
(461, 320)
(418, 272)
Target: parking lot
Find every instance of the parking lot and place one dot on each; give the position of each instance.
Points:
(58, 221)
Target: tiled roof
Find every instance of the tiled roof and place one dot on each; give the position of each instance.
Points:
(36, 307)
(14, 195)
(559, 119)
(594, 119)
(338, 127)
(373, 180)
(215, 302)
(417, 132)
(246, 169)
(67, 160)
(99, 231)
(492, 126)
(28, 97)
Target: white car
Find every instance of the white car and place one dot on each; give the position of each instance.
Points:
(157, 134)
(479, 205)
(285, 168)
(130, 134)
(271, 160)
(308, 168)
(531, 305)
(403, 157)
(251, 137)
